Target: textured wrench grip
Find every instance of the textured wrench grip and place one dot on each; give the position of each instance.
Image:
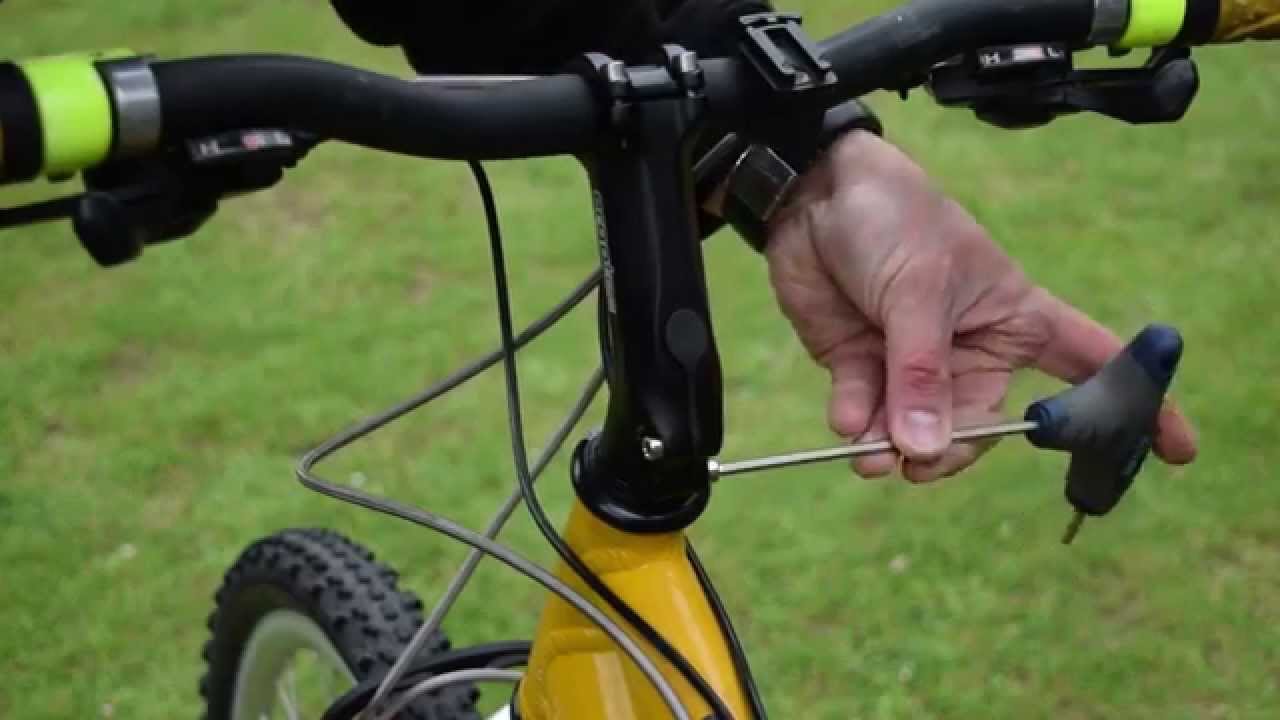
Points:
(1108, 422)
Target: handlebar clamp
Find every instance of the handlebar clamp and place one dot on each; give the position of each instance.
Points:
(609, 79)
(618, 87)
(685, 69)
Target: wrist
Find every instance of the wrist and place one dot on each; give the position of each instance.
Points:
(760, 181)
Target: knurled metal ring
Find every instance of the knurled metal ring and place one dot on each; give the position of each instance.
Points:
(1110, 20)
(136, 98)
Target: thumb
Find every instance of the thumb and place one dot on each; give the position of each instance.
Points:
(918, 333)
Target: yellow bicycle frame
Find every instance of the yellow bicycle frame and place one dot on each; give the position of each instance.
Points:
(576, 671)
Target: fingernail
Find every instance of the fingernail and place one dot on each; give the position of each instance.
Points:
(924, 432)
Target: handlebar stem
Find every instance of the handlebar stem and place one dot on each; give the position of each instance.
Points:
(660, 356)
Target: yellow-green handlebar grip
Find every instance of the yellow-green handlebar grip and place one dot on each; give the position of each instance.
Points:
(1152, 23)
(21, 137)
(56, 116)
(75, 111)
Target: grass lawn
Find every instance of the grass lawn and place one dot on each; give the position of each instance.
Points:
(150, 415)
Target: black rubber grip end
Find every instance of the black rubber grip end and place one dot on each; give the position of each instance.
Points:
(1198, 23)
(1158, 348)
(21, 134)
(1048, 415)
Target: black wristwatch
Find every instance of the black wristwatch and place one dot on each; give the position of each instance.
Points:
(758, 181)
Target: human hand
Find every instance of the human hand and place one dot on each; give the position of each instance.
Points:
(918, 315)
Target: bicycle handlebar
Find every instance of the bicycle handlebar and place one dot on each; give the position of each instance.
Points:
(545, 116)
(53, 119)
(883, 51)
(559, 114)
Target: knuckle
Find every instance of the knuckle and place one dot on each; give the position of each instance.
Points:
(874, 466)
(920, 473)
(961, 457)
(851, 150)
(917, 274)
(927, 278)
(924, 373)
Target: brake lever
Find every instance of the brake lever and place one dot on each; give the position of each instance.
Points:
(1107, 424)
(1022, 86)
(59, 208)
(134, 203)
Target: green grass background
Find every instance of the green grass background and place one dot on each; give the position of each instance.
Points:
(150, 415)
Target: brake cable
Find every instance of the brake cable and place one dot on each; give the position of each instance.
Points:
(719, 710)
(477, 541)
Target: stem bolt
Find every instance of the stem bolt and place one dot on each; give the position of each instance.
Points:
(652, 449)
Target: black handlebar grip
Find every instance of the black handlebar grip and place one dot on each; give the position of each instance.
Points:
(21, 133)
(1108, 422)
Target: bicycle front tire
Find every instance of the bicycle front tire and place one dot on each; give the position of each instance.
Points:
(311, 591)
